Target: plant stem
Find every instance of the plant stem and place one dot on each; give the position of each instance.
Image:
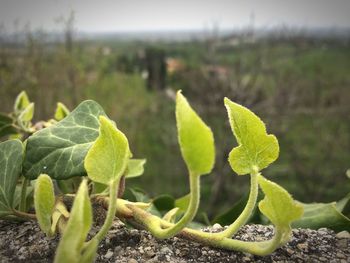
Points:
(190, 213)
(260, 248)
(24, 214)
(112, 208)
(247, 212)
(23, 202)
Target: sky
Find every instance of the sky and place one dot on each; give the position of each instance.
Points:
(151, 15)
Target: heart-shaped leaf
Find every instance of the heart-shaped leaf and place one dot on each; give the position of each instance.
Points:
(60, 149)
(11, 155)
(107, 159)
(135, 168)
(44, 202)
(256, 148)
(195, 138)
(70, 248)
(27, 114)
(278, 205)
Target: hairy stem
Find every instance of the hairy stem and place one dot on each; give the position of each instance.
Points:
(155, 227)
(112, 208)
(247, 211)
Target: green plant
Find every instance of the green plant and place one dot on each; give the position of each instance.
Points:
(83, 156)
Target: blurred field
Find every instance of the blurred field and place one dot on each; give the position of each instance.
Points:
(299, 85)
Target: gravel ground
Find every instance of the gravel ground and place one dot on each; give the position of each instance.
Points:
(24, 242)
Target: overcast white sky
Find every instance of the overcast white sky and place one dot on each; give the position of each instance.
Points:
(139, 15)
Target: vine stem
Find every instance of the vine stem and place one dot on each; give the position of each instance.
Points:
(112, 208)
(155, 227)
(261, 248)
(247, 211)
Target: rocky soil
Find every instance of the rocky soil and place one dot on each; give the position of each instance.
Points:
(24, 242)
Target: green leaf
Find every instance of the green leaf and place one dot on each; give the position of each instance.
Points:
(61, 111)
(256, 149)
(195, 138)
(70, 247)
(27, 114)
(183, 202)
(164, 202)
(107, 159)
(44, 202)
(320, 215)
(6, 125)
(60, 149)
(11, 155)
(278, 206)
(21, 102)
(135, 168)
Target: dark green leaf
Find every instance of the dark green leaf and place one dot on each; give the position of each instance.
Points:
(164, 202)
(320, 215)
(11, 155)
(60, 149)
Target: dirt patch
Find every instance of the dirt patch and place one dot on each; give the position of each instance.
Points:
(24, 242)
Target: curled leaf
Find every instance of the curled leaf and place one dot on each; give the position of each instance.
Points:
(108, 157)
(256, 149)
(195, 138)
(44, 202)
(27, 114)
(70, 247)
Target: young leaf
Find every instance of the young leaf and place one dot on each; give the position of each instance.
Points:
(135, 168)
(27, 114)
(44, 202)
(11, 155)
(256, 149)
(21, 102)
(278, 205)
(70, 247)
(108, 157)
(61, 111)
(195, 138)
(60, 149)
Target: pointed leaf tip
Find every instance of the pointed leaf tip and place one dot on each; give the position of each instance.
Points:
(195, 138)
(108, 157)
(256, 149)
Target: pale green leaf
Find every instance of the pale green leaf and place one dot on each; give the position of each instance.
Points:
(135, 168)
(21, 102)
(60, 149)
(278, 206)
(61, 111)
(256, 148)
(195, 138)
(11, 155)
(44, 202)
(108, 157)
(70, 247)
(27, 114)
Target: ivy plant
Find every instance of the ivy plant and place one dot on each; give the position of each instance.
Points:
(81, 158)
